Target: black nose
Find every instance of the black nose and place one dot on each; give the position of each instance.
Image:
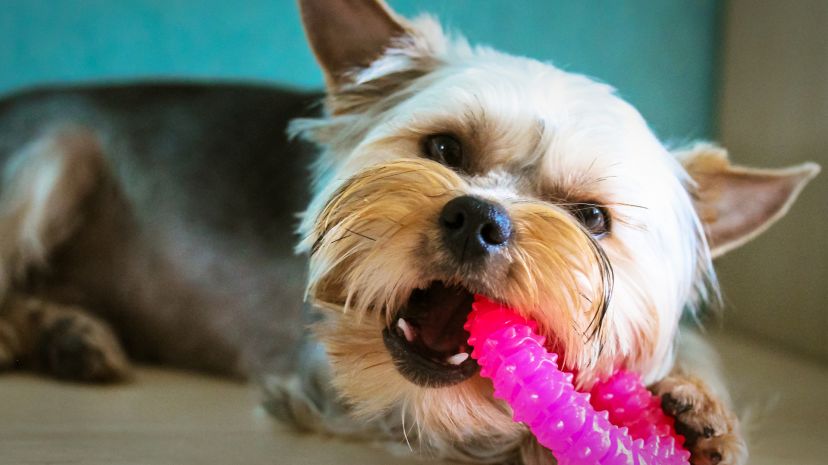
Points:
(473, 227)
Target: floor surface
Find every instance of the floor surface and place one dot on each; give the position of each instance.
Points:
(168, 417)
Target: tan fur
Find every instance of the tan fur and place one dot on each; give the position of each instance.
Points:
(366, 97)
(45, 186)
(532, 453)
(43, 336)
(371, 26)
(365, 241)
(737, 203)
(696, 407)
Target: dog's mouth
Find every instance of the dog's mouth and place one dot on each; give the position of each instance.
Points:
(427, 340)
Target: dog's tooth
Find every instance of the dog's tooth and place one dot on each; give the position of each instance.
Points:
(457, 359)
(408, 332)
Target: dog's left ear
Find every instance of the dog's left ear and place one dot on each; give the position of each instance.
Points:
(736, 203)
(348, 34)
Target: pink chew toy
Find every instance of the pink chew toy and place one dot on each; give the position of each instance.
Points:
(623, 425)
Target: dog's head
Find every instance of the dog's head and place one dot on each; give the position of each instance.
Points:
(449, 170)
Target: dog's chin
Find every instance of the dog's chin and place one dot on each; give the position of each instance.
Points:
(427, 341)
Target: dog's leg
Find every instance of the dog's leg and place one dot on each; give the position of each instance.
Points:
(60, 340)
(694, 393)
(46, 188)
(305, 400)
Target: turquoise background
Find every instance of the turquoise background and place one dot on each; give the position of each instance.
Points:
(660, 54)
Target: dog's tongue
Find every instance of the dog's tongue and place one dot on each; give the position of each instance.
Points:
(440, 314)
(442, 334)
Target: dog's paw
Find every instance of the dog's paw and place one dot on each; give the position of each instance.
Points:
(75, 346)
(290, 401)
(711, 430)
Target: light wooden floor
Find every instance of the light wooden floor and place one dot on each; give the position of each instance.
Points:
(168, 417)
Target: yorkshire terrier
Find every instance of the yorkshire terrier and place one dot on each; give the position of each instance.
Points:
(159, 216)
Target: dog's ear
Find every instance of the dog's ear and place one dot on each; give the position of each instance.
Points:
(736, 203)
(348, 34)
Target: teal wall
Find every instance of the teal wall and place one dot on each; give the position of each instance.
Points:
(660, 54)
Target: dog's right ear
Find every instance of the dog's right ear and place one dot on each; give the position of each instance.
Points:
(346, 35)
(736, 203)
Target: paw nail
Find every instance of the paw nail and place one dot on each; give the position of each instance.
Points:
(672, 405)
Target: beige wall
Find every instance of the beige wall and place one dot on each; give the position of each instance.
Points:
(774, 112)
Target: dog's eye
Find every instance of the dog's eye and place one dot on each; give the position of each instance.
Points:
(594, 218)
(444, 149)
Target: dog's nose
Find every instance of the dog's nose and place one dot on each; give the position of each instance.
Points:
(473, 227)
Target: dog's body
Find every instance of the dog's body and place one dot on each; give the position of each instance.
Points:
(183, 218)
(444, 170)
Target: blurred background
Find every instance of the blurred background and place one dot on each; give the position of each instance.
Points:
(749, 73)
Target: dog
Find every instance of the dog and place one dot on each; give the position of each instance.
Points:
(155, 222)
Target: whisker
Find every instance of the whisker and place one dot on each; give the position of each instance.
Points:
(638, 226)
(367, 354)
(608, 281)
(568, 203)
(385, 362)
(630, 205)
(405, 431)
(592, 164)
(360, 234)
(341, 238)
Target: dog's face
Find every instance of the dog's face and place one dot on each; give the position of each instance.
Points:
(450, 171)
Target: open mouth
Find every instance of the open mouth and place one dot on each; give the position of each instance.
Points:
(427, 340)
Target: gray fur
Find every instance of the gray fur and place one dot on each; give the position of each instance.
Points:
(187, 245)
